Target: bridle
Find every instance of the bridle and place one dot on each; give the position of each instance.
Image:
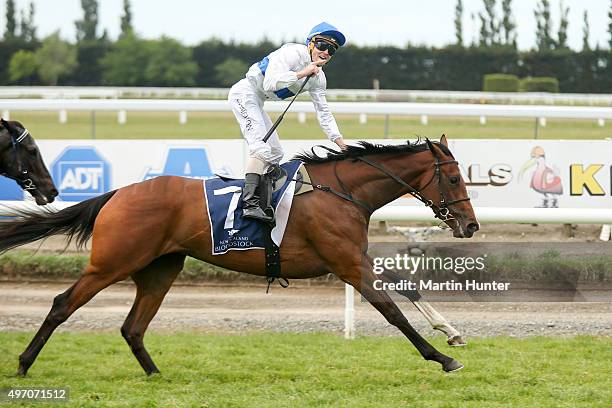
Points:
(23, 179)
(440, 211)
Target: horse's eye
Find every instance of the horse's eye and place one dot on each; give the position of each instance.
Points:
(31, 150)
(453, 180)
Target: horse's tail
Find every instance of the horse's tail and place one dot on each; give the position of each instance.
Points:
(76, 221)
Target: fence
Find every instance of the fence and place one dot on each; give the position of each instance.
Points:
(537, 112)
(540, 98)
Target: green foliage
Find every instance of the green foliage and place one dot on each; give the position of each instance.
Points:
(86, 27)
(27, 32)
(125, 63)
(230, 71)
(564, 22)
(126, 20)
(11, 22)
(313, 370)
(169, 64)
(500, 83)
(55, 58)
(610, 27)
(459, 23)
(133, 61)
(585, 32)
(508, 24)
(539, 84)
(544, 40)
(23, 67)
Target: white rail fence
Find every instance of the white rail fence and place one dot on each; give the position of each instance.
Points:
(71, 92)
(423, 110)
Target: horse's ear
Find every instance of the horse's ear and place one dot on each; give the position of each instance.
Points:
(443, 140)
(434, 149)
(4, 123)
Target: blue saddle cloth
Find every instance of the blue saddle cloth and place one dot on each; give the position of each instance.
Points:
(224, 200)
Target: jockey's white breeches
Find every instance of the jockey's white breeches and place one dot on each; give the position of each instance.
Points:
(247, 105)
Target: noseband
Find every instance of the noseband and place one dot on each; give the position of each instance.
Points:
(23, 179)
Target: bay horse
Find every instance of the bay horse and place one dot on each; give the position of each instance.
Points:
(145, 231)
(21, 161)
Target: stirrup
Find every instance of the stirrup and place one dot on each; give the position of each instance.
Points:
(257, 214)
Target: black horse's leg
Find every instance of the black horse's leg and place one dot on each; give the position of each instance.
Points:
(152, 283)
(63, 306)
(363, 279)
(435, 319)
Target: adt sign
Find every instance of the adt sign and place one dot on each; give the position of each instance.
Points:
(185, 162)
(81, 173)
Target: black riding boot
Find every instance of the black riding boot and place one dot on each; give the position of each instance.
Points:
(250, 199)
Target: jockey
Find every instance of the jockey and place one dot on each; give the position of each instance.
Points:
(276, 77)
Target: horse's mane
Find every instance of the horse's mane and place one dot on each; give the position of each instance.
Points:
(365, 149)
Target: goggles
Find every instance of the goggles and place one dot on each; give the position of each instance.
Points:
(323, 45)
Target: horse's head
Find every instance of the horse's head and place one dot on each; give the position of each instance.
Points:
(21, 161)
(447, 193)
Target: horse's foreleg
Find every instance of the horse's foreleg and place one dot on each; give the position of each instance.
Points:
(152, 283)
(362, 278)
(63, 306)
(435, 319)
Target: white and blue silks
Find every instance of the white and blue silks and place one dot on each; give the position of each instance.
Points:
(275, 78)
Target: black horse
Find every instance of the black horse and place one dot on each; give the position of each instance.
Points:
(21, 161)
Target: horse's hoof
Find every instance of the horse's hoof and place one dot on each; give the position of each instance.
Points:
(452, 365)
(456, 341)
(21, 371)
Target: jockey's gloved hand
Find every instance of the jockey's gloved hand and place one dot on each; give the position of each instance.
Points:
(340, 142)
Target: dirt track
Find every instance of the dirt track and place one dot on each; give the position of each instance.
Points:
(23, 307)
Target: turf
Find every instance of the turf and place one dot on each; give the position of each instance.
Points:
(203, 125)
(315, 370)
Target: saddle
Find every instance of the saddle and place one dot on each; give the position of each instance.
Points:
(273, 180)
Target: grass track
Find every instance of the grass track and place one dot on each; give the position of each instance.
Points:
(201, 125)
(315, 370)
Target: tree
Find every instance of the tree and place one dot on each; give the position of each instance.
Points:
(544, 39)
(493, 28)
(508, 24)
(484, 31)
(55, 58)
(458, 23)
(28, 30)
(124, 64)
(126, 20)
(23, 66)
(610, 26)
(10, 32)
(230, 71)
(585, 32)
(563, 23)
(87, 27)
(170, 64)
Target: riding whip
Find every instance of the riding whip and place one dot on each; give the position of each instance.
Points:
(278, 121)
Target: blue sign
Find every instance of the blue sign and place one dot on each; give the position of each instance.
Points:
(10, 190)
(185, 162)
(81, 173)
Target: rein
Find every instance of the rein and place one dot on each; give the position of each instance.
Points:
(23, 179)
(441, 211)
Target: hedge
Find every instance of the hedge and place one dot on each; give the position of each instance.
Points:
(500, 83)
(539, 84)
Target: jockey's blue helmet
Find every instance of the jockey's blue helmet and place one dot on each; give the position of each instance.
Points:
(327, 30)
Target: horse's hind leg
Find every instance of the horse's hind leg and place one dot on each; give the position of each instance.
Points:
(435, 319)
(63, 306)
(152, 284)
